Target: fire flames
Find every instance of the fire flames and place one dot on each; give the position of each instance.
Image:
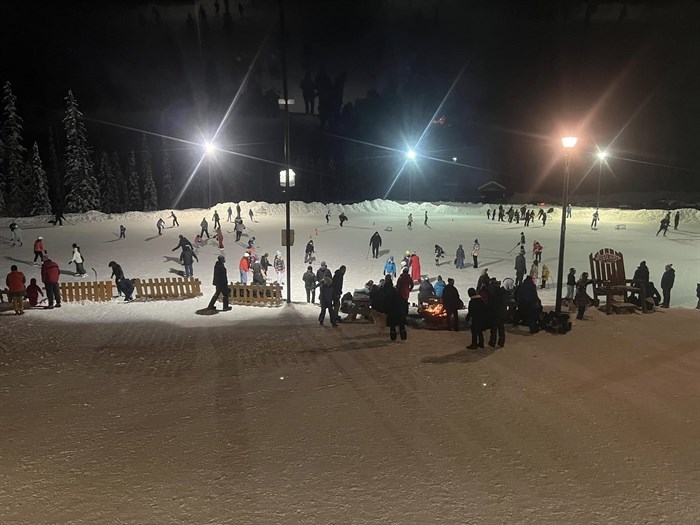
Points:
(433, 311)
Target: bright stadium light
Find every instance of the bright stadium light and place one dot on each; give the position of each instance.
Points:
(602, 154)
(209, 148)
(569, 142)
(411, 155)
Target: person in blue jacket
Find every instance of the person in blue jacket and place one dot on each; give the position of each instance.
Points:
(390, 267)
(439, 286)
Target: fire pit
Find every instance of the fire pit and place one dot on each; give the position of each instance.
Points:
(434, 314)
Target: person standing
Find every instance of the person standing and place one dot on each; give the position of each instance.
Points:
(667, 280)
(50, 274)
(439, 254)
(244, 267)
(571, 284)
(415, 268)
(594, 222)
(475, 252)
(663, 225)
(338, 277)
(309, 279)
(328, 217)
(451, 303)
(220, 238)
(77, 258)
(439, 286)
(375, 242)
(459, 257)
(535, 271)
(409, 225)
(58, 218)
(216, 220)
(122, 231)
(39, 249)
(182, 242)
(15, 234)
(390, 267)
(220, 281)
(520, 268)
(265, 263)
(522, 241)
(478, 316)
(187, 256)
(676, 220)
(16, 290)
(238, 211)
(425, 221)
(582, 298)
(497, 311)
(323, 272)
(238, 228)
(278, 264)
(251, 215)
(325, 295)
(309, 251)
(174, 218)
(258, 275)
(392, 304)
(537, 251)
(545, 276)
(117, 271)
(342, 218)
(160, 225)
(230, 214)
(205, 228)
(526, 298)
(404, 285)
(568, 211)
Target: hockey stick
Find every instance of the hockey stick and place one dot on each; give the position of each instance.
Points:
(95, 273)
(513, 248)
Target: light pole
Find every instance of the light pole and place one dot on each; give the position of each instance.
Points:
(410, 156)
(569, 143)
(285, 94)
(601, 157)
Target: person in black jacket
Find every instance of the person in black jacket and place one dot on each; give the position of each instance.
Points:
(497, 306)
(477, 314)
(392, 303)
(375, 242)
(186, 256)
(309, 251)
(337, 292)
(451, 303)
(322, 272)
(221, 283)
(181, 244)
(117, 272)
(325, 295)
(667, 280)
(309, 279)
(527, 299)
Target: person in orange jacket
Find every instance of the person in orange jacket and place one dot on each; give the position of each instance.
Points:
(415, 268)
(15, 282)
(39, 250)
(244, 267)
(220, 238)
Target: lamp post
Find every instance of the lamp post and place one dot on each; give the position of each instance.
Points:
(601, 157)
(569, 143)
(285, 94)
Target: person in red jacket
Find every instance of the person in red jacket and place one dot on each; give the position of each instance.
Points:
(33, 292)
(404, 285)
(220, 238)
(39, 250)
(244, 267)
(15, 287)
(50, 273)
(415, 268)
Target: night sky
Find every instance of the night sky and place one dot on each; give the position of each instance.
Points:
(626, 78)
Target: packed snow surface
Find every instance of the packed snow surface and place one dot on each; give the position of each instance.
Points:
(151, 413)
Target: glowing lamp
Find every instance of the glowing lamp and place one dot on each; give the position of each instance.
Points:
(569, 142)
(283, 178)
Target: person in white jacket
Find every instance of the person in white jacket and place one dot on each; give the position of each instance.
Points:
(78, 260)
(475, 252)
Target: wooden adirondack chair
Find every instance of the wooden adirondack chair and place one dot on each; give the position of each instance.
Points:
(608, 274)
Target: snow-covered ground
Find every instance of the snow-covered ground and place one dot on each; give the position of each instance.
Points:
(149, 413)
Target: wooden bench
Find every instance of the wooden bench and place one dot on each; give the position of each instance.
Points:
(608, 274)
(359, 307)
(79, 291)
(255, 294)
(167, 288)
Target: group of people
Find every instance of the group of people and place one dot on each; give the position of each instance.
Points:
(515, 214)
(18, 290)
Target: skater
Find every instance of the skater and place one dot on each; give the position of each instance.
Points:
(439, 286)
(540, 212)
(309, 251)
(278, 264)
(488, 214)
(325, 296)
(535, 271)
(594, 222)
(667, 280)
(174, 218)
(510, 213)
(676, 220)
(582, 299)
(439, 254)
(526, 218)
(392, 304)
(117, 272)
(537, 251)
(404, 285)
(122, 231)
(238, 211)
(220, 281)
(230, 214)
(215, 219)
(205, 228)
(39, 250)
(33, 292)
(570, 285)
(663, 227)
(238, 228)
(244, 267)
(15, 234)
(186, 257)
(220, 238)
(160, 225)
(375, 242)
(544, 218)
(78, 260)
(459, 257)
(478, 316)
(517, 217)
(545, 276)
(265, 264)
(500, 213)
(338, 277)
(251, 245)
(425, 221)
(328, 217)
(475, 252)
(568, 211)
(58, 218)
(390, 267)
(323, 272)
(451, 303)
(493, 214)
(16, 289)
(415, 268)
(409, 225)
(520, 268)
(309, 279)
(522, 241)
(181, 243)
(497, 311)
(197, 243)
(342, 218)
(251, 215)
(50, 274)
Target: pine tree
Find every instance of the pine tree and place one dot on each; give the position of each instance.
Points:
(13, 183)
(122, 192)
(109, 193)
(150, 195)
(134, 203)
(83, 191)
(54, 173)
(40, 204)
(166, 180)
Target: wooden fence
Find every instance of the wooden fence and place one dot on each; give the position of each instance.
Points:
(167, 288)
(98, 291)
(255, 294)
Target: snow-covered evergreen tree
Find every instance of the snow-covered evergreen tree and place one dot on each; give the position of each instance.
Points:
(13, 180)
(109, 192)
(166, 179)
(54, 173)
(135, 203)
(122, 191)
(83, 191)
(39, 204)
(150, 195)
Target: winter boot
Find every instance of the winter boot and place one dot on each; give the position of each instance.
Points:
(404, 335)
(392, 333)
